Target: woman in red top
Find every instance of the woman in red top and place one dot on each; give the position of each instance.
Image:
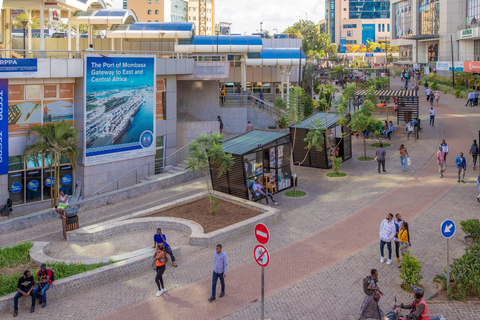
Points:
(160, 261)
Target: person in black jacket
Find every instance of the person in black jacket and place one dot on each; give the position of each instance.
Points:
(474, 150)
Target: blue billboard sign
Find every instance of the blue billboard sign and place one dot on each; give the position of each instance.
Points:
(343, 45)
(3, 126)
(369, 55)
(120, 104)
(368, 33)
(18, 68)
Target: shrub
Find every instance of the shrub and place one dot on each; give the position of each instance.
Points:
(457, 93)
(308, 107)
(464, 274)
(472, 228)
(410, 270)
(337, 164)
(283, 123)
(15, 256)
(280, 103)
(445, 91)
(435, 85)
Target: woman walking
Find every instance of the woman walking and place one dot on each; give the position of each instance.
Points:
(403, 155)
(474, 150)
(370, 308)
(160, 261)
(404, 237)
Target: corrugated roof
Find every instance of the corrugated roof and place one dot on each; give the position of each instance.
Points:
(389, 93)
(251, 140)
(310, 122)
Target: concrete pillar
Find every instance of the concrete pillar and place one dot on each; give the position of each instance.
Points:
(29, 43)
(112, 44)
(287, 73)
(77, 37)
(282, 70)
(244, 72)
(7, 35)
(69, 34)
(121, 44)
(42, 26)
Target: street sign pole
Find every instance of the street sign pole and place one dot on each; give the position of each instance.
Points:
(263, 293)
(448, 266)
(447, 229)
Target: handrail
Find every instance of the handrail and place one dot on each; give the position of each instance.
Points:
(272, 108)
(31, 53)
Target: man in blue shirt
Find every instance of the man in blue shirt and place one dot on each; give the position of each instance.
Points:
(161, 238)
(220, 265)
(461, 166)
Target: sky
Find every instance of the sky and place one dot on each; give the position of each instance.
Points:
(246, 15)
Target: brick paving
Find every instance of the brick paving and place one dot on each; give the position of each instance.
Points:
(315, 232)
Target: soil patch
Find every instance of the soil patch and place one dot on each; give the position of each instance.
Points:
(443, 296)
(228, 213)
(32, 266)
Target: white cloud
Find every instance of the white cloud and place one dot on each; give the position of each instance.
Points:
(246, 15)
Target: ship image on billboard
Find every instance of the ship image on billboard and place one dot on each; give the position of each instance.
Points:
(120, 108)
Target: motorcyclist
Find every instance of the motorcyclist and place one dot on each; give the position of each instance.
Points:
(419, 306)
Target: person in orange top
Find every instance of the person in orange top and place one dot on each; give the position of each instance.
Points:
(403, 155)
(160, 261)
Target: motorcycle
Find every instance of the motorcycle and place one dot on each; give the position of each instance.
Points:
(395, 314)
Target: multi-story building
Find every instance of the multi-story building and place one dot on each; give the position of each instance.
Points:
(356, 21)
(322, 25)
(194, 16)
(158, 10)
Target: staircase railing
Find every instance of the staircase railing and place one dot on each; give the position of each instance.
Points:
(146, 169)
(249, 99)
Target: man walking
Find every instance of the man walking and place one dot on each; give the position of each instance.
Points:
(437, 97)
(220, 265)
(470, 99)
(398, 221)
(221, 124)
(474, 153)
(380, 157)
(159, 237)
(440, 162)
(444, 146)
(431, 112)
(475, 98)
(461, 166)
(387, 233)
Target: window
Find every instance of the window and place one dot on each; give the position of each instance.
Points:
(190, 9)
(156, 20)
(189, 18)
(388, 27)
(383, 27)
(369, 9)
(149, 11)
(194, 9)
(351, 41)
(403, 18)
(194, 18)
(149, 1)
(149, 20)
(159, 155)
(349, 33)
(379, 27)
(349, 26)
(156, 1)
(156, 11)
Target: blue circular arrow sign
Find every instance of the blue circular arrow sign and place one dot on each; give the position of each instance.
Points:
(447, 228)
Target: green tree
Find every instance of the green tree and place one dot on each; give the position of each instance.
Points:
(295, 115)
(315, 44)
(267, 34)
(207, 151)
(308, 107)
(17, 24)
(362, 120)
(55, 140)
(325, 97)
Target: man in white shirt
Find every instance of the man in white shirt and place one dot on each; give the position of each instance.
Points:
(444, 146)
(431, 112)
(261, 193)
(387, 233)
(90, 48)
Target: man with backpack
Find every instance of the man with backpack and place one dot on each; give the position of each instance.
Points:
(370, 308)
(45, 279)
(474, 150)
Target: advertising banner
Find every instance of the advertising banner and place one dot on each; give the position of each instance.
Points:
(447, 66)
(24, 114)
(3, 126)
(471, 66)
(18, 68)
(120, 108)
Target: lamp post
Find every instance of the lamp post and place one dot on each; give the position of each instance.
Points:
(24, 24)
(161, 47)
(261, 27)
(275, 29)
(217, 42)
(306, 15)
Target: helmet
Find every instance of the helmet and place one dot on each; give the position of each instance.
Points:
(418, 291)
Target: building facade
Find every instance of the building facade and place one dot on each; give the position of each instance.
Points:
(194, 15)
(158, 10)
(353, 22)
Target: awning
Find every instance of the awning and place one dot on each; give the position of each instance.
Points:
(104, 17)
(331, 119)
(389, 93)
(279, 57)
(225, 44)
(153, 30)
(251, 140)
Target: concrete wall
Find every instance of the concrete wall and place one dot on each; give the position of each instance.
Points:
(187, 131)
(200, 99)
(265, 74)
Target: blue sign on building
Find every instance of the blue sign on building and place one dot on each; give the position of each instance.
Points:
(18, 68)
(369, 55)
(368, 33)
(3, 126)
(343, 45)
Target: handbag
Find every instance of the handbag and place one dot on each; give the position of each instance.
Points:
(409, 162)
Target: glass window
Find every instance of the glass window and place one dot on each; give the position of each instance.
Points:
(156, 11)
(149, 11)
(15, 163)
(349, 26)
(379, 29)
(403, 19)
(47, 182)
(370, 9)
(33, 184)
(349, 33)
(429, 17)
(388, 27)
(34, 162)
(16, 188)
(66, 180)
(156, 1)
(149, 1)
(383, 27)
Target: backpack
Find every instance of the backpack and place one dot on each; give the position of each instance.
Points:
(366, 283)
(52, 278)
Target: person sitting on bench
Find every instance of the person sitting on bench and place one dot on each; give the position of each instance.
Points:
(261, 193)
(62, 202)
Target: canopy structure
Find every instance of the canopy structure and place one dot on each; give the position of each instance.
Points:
(104, 17)
(220, 44)
(153, 30)
(251, 140)
(278, 57)
(331, 119)
(389, 93)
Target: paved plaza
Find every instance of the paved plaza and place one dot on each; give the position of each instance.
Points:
(322, 247)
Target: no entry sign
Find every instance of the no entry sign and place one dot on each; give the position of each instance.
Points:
(261, 233)
(261, 255)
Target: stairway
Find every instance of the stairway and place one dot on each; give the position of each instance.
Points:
(252, 100)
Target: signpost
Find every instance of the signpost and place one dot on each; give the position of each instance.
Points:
(447, 229)
(262, 256)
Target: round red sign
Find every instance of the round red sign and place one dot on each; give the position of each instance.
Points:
(261, 233)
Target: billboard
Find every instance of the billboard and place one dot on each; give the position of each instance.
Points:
(3, 126)
(471, 66)
(368, 33)
(119, 108)
(343, 45)
(447, 66)
(18, 68)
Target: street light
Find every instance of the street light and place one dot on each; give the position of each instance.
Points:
(306, 15)
(24, 24)
(261, 27)
(161, 48)
(275, 29)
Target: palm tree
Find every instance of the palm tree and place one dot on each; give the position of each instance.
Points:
(55, 140)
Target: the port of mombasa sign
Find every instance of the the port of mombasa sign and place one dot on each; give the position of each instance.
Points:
(119, 108)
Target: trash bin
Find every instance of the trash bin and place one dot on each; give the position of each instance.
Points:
(69, 221)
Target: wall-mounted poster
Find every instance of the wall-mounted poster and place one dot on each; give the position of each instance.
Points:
(258, 169)
(33, 91)
(66, 91)
(23, 114)
(57, 110)
(120, 108)
(50, 91)
(16, 92)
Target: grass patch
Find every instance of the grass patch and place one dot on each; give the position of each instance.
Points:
(295, 195)
(17, 259)
(366, 159)
(377, 144)
(334, 175)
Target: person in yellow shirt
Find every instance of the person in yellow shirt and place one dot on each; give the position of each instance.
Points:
(404, 237)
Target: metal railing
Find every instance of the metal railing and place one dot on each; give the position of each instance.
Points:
(249, 99)
(145, 170)
(79, 54)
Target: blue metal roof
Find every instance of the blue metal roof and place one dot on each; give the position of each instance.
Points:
(251, 140)
(277, 53)
(310, 122)
(224, 40)
(161, 26)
